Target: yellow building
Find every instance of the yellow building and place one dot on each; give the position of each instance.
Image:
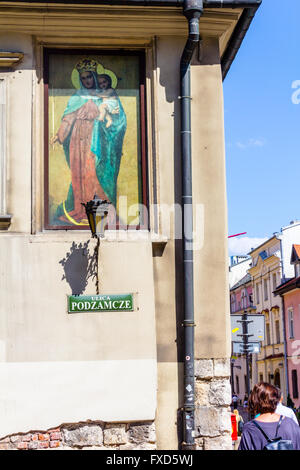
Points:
(93, 101)
(270, 267)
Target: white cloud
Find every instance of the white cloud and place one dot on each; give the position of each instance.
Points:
(251, 143)
(242, 245)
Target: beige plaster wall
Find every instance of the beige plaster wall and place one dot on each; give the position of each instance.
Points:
(57, 367)
(212, 333)
(35, 329)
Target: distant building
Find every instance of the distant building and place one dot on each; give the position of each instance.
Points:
(289, 292)
(238, 268)
(270, 267)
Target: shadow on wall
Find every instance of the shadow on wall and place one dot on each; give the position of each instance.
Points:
(80, 264)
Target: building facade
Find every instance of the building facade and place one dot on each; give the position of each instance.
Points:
(90, 104)
(271, 266)
(289, 294)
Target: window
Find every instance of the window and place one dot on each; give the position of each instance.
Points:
(277, 379)
(237, 384)
(261, 377)
(266, 289)
(268, 334)
(257, 293)
(291, 322)
(295, 383)
(277, 329)
(233, 304)
(94, 136)
(297, 270)
(269, 378)
(244, 298)
(274, 281)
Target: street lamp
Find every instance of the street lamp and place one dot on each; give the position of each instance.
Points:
(97, 208)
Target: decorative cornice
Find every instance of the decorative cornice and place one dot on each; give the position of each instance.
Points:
(112, 21)
(10, 59)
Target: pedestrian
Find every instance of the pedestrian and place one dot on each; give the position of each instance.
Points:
(235, 401)
(245, 404)
(259, 432)
(285, 410)
(240, 422)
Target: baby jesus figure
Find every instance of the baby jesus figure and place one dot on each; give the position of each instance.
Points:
(109, 105)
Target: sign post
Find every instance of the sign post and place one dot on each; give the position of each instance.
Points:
(253, 328)
(245, 337)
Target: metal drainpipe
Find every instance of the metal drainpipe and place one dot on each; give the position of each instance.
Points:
(192, 10)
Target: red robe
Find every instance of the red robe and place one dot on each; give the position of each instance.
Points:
(82, 161)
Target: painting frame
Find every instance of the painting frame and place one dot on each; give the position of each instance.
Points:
(142, 134)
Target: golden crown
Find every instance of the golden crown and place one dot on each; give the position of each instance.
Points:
(87, 65)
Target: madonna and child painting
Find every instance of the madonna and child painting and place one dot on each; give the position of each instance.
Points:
(93, 135)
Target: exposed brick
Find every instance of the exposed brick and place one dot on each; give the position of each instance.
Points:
(55, 436)
(94, 448)
(43, 444)
(33, 445)
(23, 445)
(44, 437)
(54, 444)
(4, 446)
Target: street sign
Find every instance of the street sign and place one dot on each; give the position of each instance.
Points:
(239, 348)
(256, 329)
(100, 303)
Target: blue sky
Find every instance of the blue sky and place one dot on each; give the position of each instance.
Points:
(262, 126)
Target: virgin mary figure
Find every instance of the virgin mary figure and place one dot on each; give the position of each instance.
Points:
(93, 150)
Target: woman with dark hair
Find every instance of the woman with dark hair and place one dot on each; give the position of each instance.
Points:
(262, 404)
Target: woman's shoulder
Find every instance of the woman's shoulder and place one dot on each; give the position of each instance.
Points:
(249, 426)
(289, 422)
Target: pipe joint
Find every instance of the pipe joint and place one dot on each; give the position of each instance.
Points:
(193, 9)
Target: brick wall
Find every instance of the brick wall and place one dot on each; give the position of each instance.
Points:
(86, 436)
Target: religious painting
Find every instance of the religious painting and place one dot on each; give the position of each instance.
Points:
(94, 136)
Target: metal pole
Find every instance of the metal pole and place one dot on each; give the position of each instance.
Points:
(245, 337)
